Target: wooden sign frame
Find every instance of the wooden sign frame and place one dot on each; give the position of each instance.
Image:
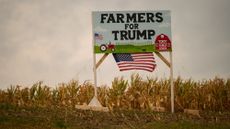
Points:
(168, 63)
(155, 49)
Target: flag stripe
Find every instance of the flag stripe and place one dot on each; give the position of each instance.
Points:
(134, 63)
(144, 66)
(143, 60)
(139, 61)
(145, 69)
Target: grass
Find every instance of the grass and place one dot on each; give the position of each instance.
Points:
(57, 118)
(128, 49)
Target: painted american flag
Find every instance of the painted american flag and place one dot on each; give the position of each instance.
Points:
(98, 36)
(135, 61)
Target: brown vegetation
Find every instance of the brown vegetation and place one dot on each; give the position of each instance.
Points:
(208, 95)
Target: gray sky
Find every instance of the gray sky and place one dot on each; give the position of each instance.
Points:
(51, 40)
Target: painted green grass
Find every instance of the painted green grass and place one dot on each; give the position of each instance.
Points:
(128, 49)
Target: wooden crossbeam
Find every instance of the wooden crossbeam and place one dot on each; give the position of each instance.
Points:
(163, 59)
(101, 60)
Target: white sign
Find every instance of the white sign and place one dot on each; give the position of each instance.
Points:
(131, 31)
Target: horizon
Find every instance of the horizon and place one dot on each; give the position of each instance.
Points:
(51, 41)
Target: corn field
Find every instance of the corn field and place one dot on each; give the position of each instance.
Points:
(207, 95)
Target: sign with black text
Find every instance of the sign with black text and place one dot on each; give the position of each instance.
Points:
(131, 31)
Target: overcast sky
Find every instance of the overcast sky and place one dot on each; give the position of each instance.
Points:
(51, 40)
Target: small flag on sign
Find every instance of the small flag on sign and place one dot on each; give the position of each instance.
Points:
(98, 36)
(135, 61)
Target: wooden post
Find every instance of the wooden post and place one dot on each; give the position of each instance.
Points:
(96, 65)
(170, 65)
(94, 102)
(171, 82)
(95, 74)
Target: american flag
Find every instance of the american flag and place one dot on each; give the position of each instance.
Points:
(98, 36)
(135, 61)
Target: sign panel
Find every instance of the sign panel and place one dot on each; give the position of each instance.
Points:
(131, 31)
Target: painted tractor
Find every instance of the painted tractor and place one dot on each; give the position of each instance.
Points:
(109, 46)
